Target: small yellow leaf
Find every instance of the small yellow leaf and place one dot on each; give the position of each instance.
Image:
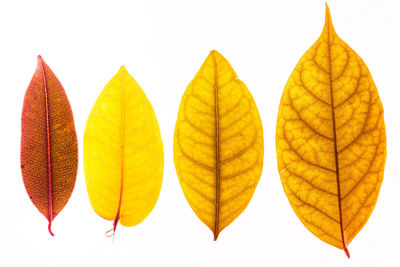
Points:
(330, 140)
(218, 144)
(123, 153)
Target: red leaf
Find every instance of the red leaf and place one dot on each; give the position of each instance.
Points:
(49, 148)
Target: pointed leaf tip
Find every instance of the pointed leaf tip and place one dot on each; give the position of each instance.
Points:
(328, 19)
(39, 58)
(215, 52)
(327, 12)
(328, 26)
(122, 70)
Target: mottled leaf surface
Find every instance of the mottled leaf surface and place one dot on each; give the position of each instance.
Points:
(218, 144)
(49, 148)
(330, 140)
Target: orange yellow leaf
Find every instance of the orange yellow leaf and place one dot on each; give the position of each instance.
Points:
(123, 153)
(330, 140)
(49, 148)
(218, 144)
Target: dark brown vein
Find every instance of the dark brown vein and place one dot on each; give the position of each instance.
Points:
(197, 128)
(240, 153)
(236, 195)
(306, 123)
(198, 192)
(196, 177)
(311, 206)
(197, 162)
(217, 163)
(302, 158)
(309, 182)
(364, 175)
(335, 140)
(233, 175)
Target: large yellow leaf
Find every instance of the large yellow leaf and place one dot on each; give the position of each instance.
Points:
(218, 144)
(123, 153)
(330, 140)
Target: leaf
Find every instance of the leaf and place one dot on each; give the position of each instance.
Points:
(49, 148)
(218, 144)
(123, 153)
(330, 140)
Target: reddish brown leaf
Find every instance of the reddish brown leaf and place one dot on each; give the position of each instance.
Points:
(49, 148)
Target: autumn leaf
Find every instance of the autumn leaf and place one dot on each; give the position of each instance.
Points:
(49, 148)
(218, 144)
(330, 140)
(123, 153)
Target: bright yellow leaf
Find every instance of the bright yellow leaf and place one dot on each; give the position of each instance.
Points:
(123, 153)
(330, 140)
(218, 144)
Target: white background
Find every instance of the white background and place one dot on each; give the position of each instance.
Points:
(163, 44)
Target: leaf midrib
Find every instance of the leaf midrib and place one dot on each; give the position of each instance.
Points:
(334, 136)
(49, 174)
(122, 132)
(217, 158)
